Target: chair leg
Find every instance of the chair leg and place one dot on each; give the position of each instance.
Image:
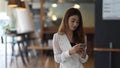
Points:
(13, 53)
(16, 61)
(22, 56)
(25, 52)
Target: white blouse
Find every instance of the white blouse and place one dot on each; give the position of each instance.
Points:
(61, 46)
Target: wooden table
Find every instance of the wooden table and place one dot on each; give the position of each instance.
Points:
(40, 47)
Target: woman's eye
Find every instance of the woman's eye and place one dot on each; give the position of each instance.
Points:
(77, 22)
(72, 21)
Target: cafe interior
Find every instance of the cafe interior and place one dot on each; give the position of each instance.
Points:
(27, 28)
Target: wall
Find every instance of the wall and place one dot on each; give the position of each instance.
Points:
(107, 40)
(87, 10)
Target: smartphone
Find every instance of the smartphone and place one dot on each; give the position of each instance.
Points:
(83, 45)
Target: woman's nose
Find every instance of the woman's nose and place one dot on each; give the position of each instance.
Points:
(75, 24)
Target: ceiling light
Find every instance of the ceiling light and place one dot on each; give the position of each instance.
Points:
(76, 6)
(54, 5)
(54, 17)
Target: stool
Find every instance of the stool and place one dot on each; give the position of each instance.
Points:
(21, 53)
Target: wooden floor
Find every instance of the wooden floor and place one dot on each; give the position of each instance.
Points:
(42, 62)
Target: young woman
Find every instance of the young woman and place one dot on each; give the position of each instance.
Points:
(67, 47)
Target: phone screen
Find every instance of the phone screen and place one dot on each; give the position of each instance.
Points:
(83, 45)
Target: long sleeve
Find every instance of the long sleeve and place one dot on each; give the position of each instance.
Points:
(59, 55)
(83, 60)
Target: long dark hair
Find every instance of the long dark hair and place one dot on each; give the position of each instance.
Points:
(78, 34)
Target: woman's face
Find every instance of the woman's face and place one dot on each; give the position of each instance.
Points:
(73, 22)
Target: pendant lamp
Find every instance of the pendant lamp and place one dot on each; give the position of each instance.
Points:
(12, 3)
(21, 4)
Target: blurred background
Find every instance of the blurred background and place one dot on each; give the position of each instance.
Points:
(27, 28)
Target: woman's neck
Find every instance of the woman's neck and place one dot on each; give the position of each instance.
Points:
(70, 35)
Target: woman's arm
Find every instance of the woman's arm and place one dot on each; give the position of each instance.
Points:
(59, 55)
(83, 55)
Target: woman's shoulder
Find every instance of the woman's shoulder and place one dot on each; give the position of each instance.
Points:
(58, 34)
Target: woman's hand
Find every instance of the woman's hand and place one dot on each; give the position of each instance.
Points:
(82, 52)
(75, 49)
(79, 50)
